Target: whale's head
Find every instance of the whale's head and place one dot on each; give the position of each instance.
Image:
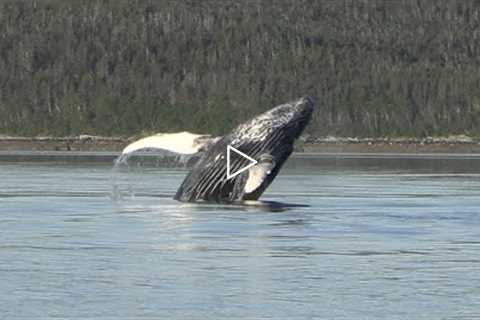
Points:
(268, 138)
(278, 126)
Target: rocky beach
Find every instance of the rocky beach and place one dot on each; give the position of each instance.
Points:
(452, 144)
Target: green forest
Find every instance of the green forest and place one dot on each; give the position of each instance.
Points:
(375, 68)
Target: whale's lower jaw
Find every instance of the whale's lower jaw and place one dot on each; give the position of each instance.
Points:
(268, 138)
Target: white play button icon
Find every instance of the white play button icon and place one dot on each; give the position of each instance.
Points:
(251, 164)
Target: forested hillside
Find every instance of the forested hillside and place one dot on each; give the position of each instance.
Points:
(376, 68)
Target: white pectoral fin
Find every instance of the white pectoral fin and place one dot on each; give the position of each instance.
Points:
(256, 175)
(182, 143)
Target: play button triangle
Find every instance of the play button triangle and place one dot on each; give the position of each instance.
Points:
(251, 164)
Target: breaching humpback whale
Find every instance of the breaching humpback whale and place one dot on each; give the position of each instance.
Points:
(268, 138)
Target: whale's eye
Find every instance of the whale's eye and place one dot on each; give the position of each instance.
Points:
(267, 158)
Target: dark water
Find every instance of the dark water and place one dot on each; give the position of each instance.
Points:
(380, 239)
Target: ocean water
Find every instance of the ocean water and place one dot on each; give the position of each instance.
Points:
(379, 238)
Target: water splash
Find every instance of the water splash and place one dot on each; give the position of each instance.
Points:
(117, 178)
(127, 165)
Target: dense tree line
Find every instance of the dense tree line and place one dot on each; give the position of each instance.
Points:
(376, 68)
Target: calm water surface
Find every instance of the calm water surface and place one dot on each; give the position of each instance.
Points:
(380, 239)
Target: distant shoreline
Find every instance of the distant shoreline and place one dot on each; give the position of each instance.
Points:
(82, 143)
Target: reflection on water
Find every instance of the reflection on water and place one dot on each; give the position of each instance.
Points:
(377, 238)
